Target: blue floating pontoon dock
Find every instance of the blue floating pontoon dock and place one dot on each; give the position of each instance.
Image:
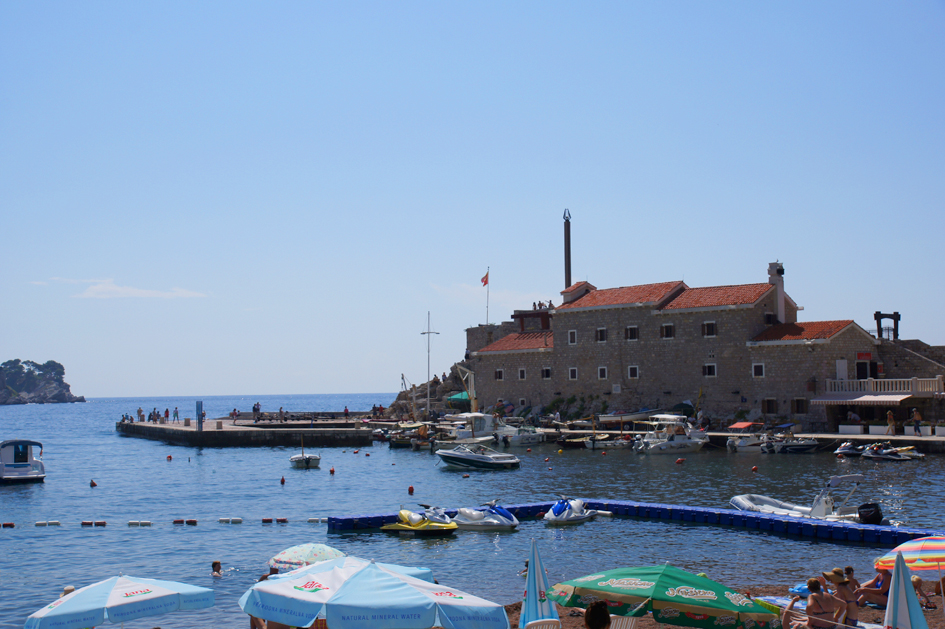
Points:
(872, 534)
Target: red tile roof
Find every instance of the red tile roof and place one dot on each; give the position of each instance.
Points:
(522, 341)
(713, 296)
(643, 294)
(806, 331)
(574, 287)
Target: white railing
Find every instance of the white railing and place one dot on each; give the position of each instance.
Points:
(913, 386)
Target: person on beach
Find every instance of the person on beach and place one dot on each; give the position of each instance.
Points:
(876, 590)
(848, 612)
(216, 569)
(890, 423)
(597, 616)
(848, 573)
(920, 593)
(821, 608)
(258, 623)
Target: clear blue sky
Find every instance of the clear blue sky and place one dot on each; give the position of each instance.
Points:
(223, 198)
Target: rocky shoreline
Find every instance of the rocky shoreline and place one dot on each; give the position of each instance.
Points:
(27, 382)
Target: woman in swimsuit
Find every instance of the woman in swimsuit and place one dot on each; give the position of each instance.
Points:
(849, 612)
(821, 609)
(876, 590)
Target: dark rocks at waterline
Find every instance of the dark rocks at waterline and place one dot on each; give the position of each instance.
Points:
(27, 382)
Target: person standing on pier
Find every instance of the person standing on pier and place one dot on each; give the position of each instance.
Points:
(916, 422)
(346, 412)
(176, 415)
(890, 423)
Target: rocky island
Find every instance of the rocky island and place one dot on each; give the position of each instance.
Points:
(26, 382)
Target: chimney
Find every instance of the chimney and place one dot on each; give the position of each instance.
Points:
(776, 279)
(567, 248)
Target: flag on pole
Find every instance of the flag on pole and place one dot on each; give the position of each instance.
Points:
(485, 278)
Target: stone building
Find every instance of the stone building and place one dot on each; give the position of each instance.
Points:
(726, 349)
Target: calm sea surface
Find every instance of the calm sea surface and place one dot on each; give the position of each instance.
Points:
(136, 482)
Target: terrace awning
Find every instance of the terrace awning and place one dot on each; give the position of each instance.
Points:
(861, 399)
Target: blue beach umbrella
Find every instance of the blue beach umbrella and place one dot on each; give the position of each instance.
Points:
(368, 596)
(537, 605)
(119, 599)
(424, 574)
(903, 610)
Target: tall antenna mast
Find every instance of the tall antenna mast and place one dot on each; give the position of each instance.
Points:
(567, 248)
(428, 333)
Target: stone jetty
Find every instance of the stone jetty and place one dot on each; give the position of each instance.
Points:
(224, 433)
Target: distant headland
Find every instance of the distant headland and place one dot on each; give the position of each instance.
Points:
(26, 382)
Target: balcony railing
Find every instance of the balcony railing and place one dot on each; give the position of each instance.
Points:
(918, 387)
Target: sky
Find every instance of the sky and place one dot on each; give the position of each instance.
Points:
(224, 198)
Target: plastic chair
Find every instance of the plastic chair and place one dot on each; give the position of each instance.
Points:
(548, 623)
(622, 622)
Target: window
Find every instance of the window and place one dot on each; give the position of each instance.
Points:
(21, 453)
(572, 373)
(769, 406)
(770, 319)
(602, 373)
(521, 374)
(708, 329)
(499, 374)
(601, 335)
(546, 373)
(522, 401)
(572, 337)
(758, 370)
(633, 372)
(708, 370)
(631, 333)
(667, 331)
(799, 406)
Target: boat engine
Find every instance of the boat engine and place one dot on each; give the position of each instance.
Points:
(870, 513)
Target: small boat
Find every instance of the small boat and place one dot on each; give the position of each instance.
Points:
(18, 463)
(884, 451)
(787, 443)
(670, 434)
(748, 439)
(304, 461)
(571, 442)
(597, 441)
(478, 457)
(823, 507)
(610, 443)
(411, 523)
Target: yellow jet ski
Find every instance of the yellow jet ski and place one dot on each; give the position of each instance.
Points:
(412, 523)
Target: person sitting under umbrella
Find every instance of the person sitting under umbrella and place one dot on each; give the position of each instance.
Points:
(876, 590)
(821, 608)
(597, 615)
(920, 593)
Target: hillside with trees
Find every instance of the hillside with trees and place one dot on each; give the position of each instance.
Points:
(26, 382)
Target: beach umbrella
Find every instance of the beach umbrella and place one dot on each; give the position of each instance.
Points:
(360, 595)
(119, 599)
(921, 555)
(674, 596)
(536, 605)
(303, 555)
(903, 610)
(424, 574)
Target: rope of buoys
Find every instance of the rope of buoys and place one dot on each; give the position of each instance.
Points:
(267, 520)
(282, 520)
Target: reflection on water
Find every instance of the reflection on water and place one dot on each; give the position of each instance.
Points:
(136, 482)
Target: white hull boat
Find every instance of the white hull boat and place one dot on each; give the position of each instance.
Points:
(305, 461)
(670, 434)
(788, 446)
(478, 457)
(18, 463)
(823, 507)
(746, 441)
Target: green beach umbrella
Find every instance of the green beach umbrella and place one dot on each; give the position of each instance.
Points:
(674, 596)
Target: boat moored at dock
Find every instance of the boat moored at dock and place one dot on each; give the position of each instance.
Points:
(478, 457)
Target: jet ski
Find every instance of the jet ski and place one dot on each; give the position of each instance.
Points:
(412, 523)
(569, 511)
(493, 518)
(885, 452)
(849, 449)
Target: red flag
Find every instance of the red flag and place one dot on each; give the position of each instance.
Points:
(485, 278)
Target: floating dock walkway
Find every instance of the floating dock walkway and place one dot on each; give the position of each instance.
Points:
(224, 433)
(841, 532)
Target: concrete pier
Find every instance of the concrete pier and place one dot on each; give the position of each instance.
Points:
(223, 433)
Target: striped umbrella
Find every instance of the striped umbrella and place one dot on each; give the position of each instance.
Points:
(921, 555)
(303, 555)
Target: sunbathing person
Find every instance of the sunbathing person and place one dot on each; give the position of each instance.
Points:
(876, 590)
(920, 593)
(821, 608)
(848, 572)
(849, 612)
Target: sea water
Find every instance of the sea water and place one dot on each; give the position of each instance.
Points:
(137, 482)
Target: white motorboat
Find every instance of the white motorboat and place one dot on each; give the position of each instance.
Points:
(788, 444)
(18, 463)
(478, 457)
(304, 461)
(748, 439)
(670, 434)
(469, 425)
(823, 507)
(608, 442)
